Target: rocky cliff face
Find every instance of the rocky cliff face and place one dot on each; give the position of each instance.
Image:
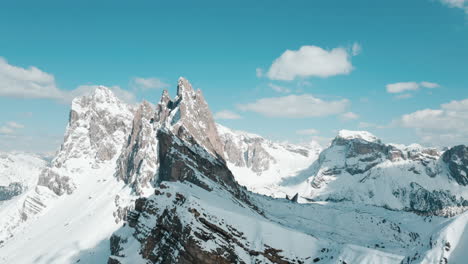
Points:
(138, 163)
(97, 129)
(172, 226)
(261, 164)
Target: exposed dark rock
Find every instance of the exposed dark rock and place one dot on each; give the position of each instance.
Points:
(138, 163)
(8, 192)
(181, 161)
(295, 198)
(456, 159)
(427, 202)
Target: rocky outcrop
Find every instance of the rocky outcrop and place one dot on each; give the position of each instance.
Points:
(246, 150)
(172, 226)
(138, 162)
(97, 129)
(58, 183)
(11, 190)
(456, 159)
(187, 161)
(188, 116)
(98, 125)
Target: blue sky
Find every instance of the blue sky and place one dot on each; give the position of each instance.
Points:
(395, 68)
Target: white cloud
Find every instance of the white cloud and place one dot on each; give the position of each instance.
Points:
(447, 125)
(356, 49)
(15, 125)
(401, 87)
(310, 61)
(278, 88)
(148, 83)
(296, 106)
(455, 3)
(409, 86)
(10, 128)
(429, 85)
(5, 130)
(26, 83)
(31, 82)
(349, 116)
(226, 114)
(462, 4)
(310, 131)
(259, 72)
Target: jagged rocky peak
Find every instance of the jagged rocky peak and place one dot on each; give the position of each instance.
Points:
(102, 119)
(97, 129)
(138, 162)
(245, 150)
(189, 116)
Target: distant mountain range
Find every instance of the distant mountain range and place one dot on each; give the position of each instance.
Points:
(164, 183)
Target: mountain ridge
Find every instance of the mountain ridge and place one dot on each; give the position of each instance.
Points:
(166, 184)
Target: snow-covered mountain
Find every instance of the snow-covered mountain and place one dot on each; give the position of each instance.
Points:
(165, 184)
(260, 164)
(358, 167)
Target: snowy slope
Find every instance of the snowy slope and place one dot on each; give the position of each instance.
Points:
(78, 187)
(261, 164)
(19, 173)
(20, 169)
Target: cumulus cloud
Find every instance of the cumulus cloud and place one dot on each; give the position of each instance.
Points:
(226, 114)
(26, 82)
(409, 86)
(310, 131)
(279, 88)
(296, 106)
(349, 116)
(32, 82)
(312, 61)
(447, 125)
(148, 83)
